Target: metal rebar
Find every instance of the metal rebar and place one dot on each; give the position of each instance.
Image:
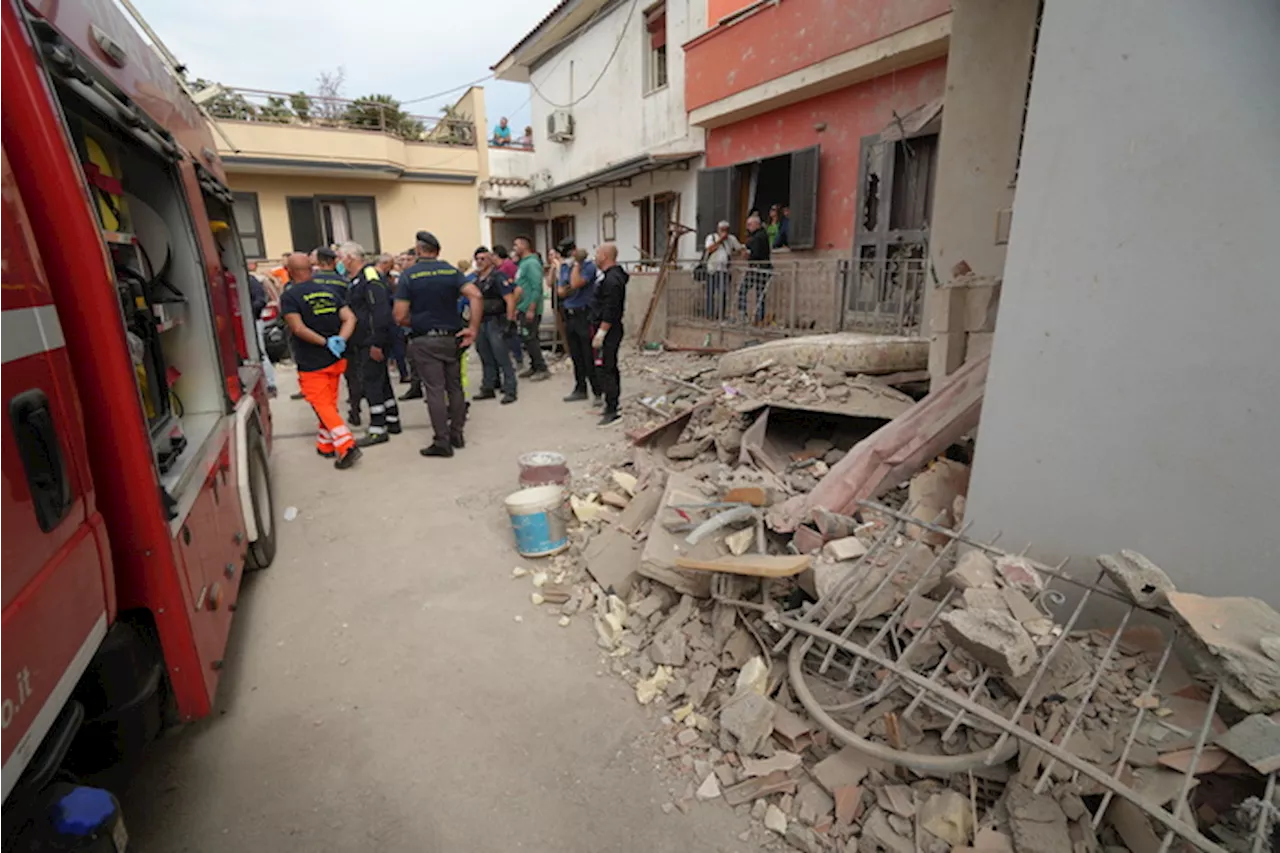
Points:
(1201, 739)
(1170, 821)
(1088, 695)
(1133, 730)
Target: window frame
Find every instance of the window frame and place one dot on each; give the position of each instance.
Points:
(317, 201)
(257, 232)
(646, 228)
(656, 60)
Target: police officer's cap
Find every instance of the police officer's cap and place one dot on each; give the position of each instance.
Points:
(567, 245)
(428, 240)
(324, 253)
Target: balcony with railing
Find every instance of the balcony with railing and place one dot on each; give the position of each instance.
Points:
(263, 130)
(796, 296)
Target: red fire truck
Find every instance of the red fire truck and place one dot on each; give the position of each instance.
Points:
(136, 424)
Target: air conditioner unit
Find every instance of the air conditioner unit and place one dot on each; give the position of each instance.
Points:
(560, 126)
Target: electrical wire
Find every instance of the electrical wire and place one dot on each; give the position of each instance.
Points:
(616, 47)
(488, 76)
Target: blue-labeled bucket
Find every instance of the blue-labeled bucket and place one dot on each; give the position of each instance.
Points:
(538, 520)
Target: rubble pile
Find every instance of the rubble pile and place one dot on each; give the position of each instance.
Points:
(873, 682)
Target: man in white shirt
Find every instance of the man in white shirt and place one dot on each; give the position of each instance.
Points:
(721, 247)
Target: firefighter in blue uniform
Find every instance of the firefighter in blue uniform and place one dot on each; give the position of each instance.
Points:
(369, 297)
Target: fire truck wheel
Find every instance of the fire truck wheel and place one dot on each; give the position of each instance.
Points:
(262, 551)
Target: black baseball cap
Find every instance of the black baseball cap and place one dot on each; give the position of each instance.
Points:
(428, 239)
(324, 253)
(566, 246)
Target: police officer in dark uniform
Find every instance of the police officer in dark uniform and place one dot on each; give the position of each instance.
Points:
(576, 287)
(369, 297)
(427, 302)
(326, 274)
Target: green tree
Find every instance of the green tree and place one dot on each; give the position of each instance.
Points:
(228, 105)
(277, 109)
(382, 112)
(301, 105)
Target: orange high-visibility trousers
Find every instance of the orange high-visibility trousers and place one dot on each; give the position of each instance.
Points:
(320, 388)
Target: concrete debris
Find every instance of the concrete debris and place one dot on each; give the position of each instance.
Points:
(879, 835)
(749, 718)
(813, 804)
(778, 782)
(626, 482)
(848, 804)
(848, 548)
(753, 677)
(993, 639)
(614, 499)
(974, 570)
(780, 760)
(668, 648)
(709, 789)
(843, 769)
(652, 687)
(1256, 741)
(1021, 573)
(1145, 583)
(1229, 631)
(775, 820)
(1036, 821)
(739, 542)
(947, 815)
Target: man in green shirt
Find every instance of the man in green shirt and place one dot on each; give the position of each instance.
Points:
(529, 307)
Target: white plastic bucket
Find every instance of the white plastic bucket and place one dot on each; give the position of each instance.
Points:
(538, 520)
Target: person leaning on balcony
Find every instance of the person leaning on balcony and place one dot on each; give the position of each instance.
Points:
(526, 138)
(759, 270)
(720, 249)
(502, 133)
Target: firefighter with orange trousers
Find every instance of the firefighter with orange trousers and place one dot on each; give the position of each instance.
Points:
(321, 325)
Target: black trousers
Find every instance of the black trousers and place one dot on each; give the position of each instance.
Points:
(356, 357)
(610, 378)
(578, 331)
(438, 362)
(376, 379)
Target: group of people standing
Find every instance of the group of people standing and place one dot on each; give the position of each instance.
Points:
(346, 316)
(722, 247)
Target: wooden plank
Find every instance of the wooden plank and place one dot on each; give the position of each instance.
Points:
(756, 565)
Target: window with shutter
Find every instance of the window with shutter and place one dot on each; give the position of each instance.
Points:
(716, 199)
(249, 226)
(655, 53)
(304, 223)
(803, 227)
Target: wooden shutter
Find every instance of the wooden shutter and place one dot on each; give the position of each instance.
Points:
(656, 24)
(304, 224)
(716, 200)
(803, 230)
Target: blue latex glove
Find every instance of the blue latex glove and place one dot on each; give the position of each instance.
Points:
(337, 345)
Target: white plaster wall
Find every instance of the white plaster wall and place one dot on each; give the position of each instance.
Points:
(1134, 392)
(588, 213)
(510, 162)
(617, 120)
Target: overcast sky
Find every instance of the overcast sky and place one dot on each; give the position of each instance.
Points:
(403, 48)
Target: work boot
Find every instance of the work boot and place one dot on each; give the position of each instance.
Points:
(508, 398)
(458, 442)
(412, 394)
(577, 395)
(297, 396)
(540, 375)
(609, 418)
(442, 450)
(486, 394)
(394, 428)
(327, 454)
(348, 459)
(372, 438)
(353, 419)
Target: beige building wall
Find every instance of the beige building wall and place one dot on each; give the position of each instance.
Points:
(403, 208)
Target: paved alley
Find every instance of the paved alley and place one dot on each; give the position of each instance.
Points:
(379, 693)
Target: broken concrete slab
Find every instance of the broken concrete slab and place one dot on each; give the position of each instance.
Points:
(897, 799)
(1142, 581)
(1255, 740)
(709, 789)
(947, 815)
(1230, 632)
(739, 542)
(848, 352)
(669, 647)
(877, 834)
(775, 820)
(640, 510)
(792, 729)
(847, 548)
(1036, 821)
(812, 803)
(845, 768)
(749, 718)
(993, 639)
(932, 494)
(614, 499)
(973, 570)
(613, 559)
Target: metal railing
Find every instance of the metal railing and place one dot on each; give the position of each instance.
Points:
(798, 296)
(886, 296)
(261, 105)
